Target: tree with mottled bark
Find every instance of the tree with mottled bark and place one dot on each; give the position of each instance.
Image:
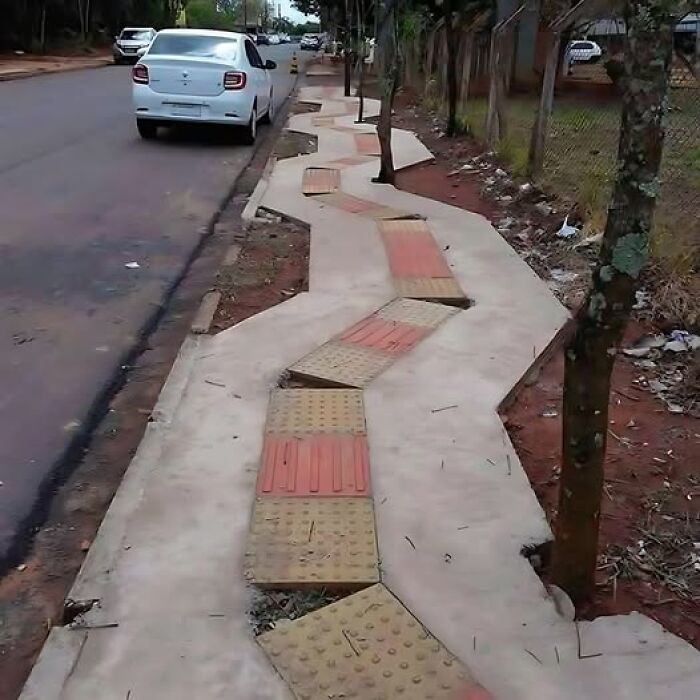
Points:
(601, 321)
(388, 81)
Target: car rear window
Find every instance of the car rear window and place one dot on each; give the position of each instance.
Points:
(199, 46)
(135, 35)
(582, 45)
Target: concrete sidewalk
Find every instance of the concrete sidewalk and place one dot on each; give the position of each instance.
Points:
(453, 506)
(12, 68)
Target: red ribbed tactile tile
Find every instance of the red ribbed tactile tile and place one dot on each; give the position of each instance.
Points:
(414, 254)
(349, 161)
(314, 465)
(348, 203)
(389, 336)
(367, 144)
(320, 181)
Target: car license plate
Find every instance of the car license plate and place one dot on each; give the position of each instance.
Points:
(129, 50)
(185, 110)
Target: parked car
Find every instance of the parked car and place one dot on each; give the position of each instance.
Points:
(310, 42)
(262, 39)
(202, 76)
(274, 39)
(130, 41)
(584, 52)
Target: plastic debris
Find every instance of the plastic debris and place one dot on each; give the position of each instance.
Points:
(682, 341)
(132, 265)
(566, 230)
(560, 275)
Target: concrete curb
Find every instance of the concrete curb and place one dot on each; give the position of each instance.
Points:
(102, 63)
(248, 215)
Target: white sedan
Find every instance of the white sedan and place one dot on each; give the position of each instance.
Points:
(192, 75)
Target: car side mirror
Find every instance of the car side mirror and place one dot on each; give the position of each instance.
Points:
(142, 51)
(270, 65)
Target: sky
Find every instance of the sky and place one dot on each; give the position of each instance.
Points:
(290, 13)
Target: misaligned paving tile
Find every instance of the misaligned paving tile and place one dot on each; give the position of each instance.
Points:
(384, 334)
(342, 364)
(347, 202)
(306, 411)
(349, 161)
(298, 542)
(314, 465)
(363, 207)
(367, 144)
(320, 181)
(414, 254)
(417, 313)
(367, 646)
(323, 121)
(443, 289)
(404, 226)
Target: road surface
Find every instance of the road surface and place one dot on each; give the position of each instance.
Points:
(81, 198)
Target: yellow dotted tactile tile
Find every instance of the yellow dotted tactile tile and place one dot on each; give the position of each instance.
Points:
(342, 364)
(366, 646)
(444, 289)
(304, 411)
(417, 313)
(298, 542)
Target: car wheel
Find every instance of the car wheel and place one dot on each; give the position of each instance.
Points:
(270, 114)
(147, 129)
(250, 131)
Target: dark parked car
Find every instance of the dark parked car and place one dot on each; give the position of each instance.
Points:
(262, 39)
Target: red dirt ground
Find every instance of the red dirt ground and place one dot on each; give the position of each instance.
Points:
(652, 492)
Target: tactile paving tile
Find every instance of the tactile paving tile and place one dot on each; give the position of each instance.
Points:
(404, 226)
(367, 646)
(322, 121)
(363, 207)
(414, 254)
(367, 144)
(417, 313)
(303, 411)
(314, 465)
(342, 364)
(320, 181)
(349, 161)
(297, 542)
(347, 202)
(444, 289)
(383, 334)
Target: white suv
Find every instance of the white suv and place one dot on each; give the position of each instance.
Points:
(196, 75)
(131, 42)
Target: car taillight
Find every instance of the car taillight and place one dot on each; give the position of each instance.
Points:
(234, 80)
(140, 74)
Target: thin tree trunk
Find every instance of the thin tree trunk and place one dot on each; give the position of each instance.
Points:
(493, 126)
(348, 47)
(602, 318)
(42, 29)
(429, 59)
(361, 76)
(544, 112)
(388, 81)
(466, 68)
(81, 19)
(451, 70)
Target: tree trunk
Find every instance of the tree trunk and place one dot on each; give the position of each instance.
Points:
(602, 318)
(429, 59)
(544, 112)
(81, 19)
(348, 47)
(42, 29)
(361, 76)
(466, 68)
(493, 126)
(451, 50)
(388, 81)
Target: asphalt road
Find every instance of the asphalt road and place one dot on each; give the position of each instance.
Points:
(81, 195)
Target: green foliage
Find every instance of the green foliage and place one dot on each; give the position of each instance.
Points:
(203, 14)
